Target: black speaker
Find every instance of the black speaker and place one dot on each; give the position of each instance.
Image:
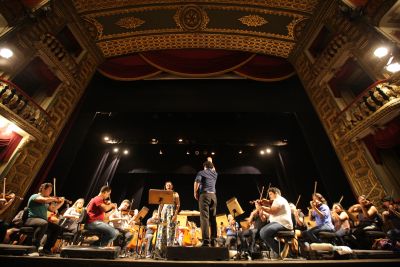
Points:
(90, 252)
(197, 253)
(16, 250)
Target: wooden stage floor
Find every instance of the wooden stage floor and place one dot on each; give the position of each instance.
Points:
(77, 262)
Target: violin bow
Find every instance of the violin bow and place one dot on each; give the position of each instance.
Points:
(340, 200)
(4, 187)
(297, 202)
(315, 187)
(54, 186)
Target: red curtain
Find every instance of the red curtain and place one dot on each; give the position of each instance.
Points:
(197, 63)
(385, 138)
(8, 143)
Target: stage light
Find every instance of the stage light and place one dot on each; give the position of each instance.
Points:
(180, 140)
(106, 138)
(160, 152)
(6, 53)
(381, 52)
(262, 152)
(394, 67)
(240, 152)
(116, 150)
(126, 152)
(187, 152)
(213, 153)
(268, 150)
(154, 141)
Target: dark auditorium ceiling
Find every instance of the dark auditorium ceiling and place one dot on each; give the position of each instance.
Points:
(130, 26)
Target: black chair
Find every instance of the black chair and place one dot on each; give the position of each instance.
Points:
(81, 232)
(287, 237)
(23, 232)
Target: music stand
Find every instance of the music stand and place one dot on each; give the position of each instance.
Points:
(235, 209)
(159, 197)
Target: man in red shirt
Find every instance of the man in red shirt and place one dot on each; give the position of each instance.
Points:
(96, 210)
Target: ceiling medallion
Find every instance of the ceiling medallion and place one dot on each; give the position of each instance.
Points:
(191, 18)
(130, 22)
(253, 20)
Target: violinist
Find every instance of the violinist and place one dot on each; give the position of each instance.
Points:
(38, 205)
(280, 218)
(5, 203)
(340, 220)
(391, 218)
(96, 210)
(368, 219)
(122, 220)
(72, 215)
(321, 213)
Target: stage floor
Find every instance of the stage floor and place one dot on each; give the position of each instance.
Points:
(78, 262)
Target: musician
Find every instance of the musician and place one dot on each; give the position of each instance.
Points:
(4, 205)
(231, 232)
(150, 231)
(391, 218)
(72, 215)
(321, 213)
(38, 205)
(205, 193)
(340, 220)
(257, 220)
(169, 214)
(96, 209)
(122, 220)
(280, 218)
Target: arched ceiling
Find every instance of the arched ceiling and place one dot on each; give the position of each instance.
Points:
(130, 26)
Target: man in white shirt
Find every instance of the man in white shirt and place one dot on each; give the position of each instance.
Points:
(279, 215)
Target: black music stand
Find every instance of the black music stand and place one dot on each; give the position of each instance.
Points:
(159, 197)
(235, 209)
(138, 220)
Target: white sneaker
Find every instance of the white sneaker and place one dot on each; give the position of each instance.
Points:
(33, 254)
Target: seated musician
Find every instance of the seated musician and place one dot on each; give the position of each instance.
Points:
(72, 215)
(299, 226)
(5, 204)
(391, 218)
(96, 210)
(340, 220)
(321, 213)
(38, 205)
(257, 220)
(121, 220)
(150, 232)
(279, 215)
(231, 232)
(368, 220)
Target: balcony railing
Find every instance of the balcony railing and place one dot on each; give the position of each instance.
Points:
(375, 106)
(21, 104)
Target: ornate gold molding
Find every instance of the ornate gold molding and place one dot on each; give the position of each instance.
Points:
(130, 22)
(253, 20)
(191, 18)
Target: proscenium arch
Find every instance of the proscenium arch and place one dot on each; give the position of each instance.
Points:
(264, 27)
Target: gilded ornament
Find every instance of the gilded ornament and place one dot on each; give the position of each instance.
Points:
(130, 22)
(253, 20)
(191, 18)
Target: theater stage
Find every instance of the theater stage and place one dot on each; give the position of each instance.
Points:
(77, 262)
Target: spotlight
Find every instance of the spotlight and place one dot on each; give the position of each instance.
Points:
(154, 141)
(240, 152)
(268, 150)
(106, 138)
(180, 140)
(160, 152)
(126, 152)
(6, 53)
(213, 153)
(381, 52)
(394, 67)
(116, 150)
(187, 152)
(262, 152)
(196, 152)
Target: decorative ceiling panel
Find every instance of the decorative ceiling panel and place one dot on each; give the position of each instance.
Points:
(129, 26)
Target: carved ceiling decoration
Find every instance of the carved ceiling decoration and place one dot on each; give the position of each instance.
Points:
(130, 26)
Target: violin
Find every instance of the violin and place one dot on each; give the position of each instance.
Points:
(10, 196)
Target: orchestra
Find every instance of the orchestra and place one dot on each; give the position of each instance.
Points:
(169, 226)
